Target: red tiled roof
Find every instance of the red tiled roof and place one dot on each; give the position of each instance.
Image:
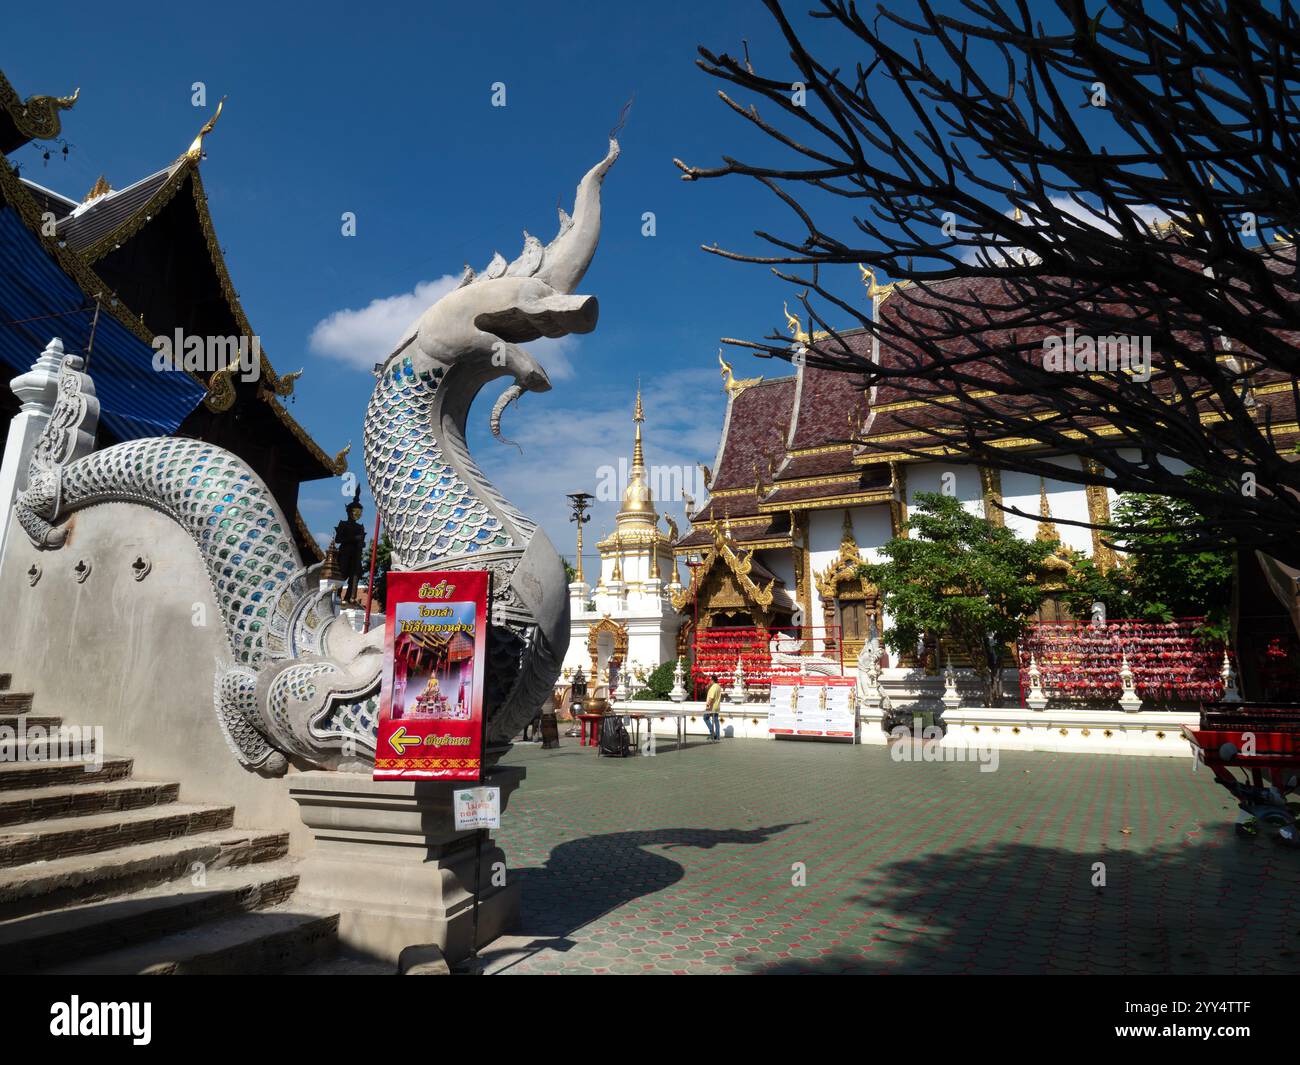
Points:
(757, 421)
(831, 403)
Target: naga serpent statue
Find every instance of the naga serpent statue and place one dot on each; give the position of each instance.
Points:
(299, 682)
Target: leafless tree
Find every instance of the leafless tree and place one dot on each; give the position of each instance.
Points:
(1120, 171)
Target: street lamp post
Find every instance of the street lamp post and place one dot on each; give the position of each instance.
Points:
(580, 502)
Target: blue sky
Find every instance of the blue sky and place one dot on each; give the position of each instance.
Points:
(385, 110)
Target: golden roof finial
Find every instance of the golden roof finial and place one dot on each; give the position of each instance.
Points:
(732, 385)
(874, 289)
(99, 188)
(796, 329)
(195, 150)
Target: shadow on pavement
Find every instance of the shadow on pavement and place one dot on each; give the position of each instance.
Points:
(1219, 906)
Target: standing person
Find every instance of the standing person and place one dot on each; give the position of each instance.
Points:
(712, 702)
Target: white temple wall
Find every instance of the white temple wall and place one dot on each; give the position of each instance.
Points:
(780, 562)
(127, 656)
(1066, 500)
(946, 478)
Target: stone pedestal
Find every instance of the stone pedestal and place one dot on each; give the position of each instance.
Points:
(38, 389)
(388, 860)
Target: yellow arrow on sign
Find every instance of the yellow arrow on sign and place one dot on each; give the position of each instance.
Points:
(400, 740)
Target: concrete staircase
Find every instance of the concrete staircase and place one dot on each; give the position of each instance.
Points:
(101, 873)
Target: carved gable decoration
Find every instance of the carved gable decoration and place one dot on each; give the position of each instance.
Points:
(723, 554)
(844, 571)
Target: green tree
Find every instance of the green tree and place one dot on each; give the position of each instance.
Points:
(659, 684)
(957, 575)
(1159, 579)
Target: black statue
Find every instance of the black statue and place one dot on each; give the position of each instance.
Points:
(350, 541)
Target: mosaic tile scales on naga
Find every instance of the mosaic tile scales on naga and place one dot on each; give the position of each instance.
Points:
(300, 683)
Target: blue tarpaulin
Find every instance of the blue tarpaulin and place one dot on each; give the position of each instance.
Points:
(39, 301)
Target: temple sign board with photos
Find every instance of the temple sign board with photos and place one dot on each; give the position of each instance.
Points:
(815, 706)
(431, 702)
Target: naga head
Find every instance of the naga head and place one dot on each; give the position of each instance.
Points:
(473, 333)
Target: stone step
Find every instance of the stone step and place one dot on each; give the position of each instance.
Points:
(63, 935)
(66, 836)
(19, 721)
(15, 775)
(266, 941)
(83, 878)
(73, 800)
(15, 702)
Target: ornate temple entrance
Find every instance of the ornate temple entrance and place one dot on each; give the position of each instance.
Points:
(607, 648)
(849, 599)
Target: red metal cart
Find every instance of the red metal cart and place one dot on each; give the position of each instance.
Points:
(1261, 741)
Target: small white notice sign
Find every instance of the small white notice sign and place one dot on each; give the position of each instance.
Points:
(477, 808)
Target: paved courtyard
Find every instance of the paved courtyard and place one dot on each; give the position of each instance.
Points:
(688, 862)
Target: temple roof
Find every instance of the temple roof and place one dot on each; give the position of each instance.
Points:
(761, 588)
(148, 258)
(100, 217)
(753, 432)
(130, 236)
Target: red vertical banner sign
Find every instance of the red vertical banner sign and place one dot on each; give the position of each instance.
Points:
(431, 703)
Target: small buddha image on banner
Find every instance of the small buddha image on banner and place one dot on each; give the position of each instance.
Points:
(431, 702)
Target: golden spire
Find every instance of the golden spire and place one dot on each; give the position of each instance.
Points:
(195, 150)
(638, 503)
(638, 458)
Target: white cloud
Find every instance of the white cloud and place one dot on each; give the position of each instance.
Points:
(995, 254)
(567, 439)
(553, 353)
(364, 337)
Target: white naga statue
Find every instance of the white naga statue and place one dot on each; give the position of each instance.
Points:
(299, 682)
(869, 692)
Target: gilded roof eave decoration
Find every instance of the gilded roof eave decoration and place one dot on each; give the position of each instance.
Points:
(739, 563)
(876, 495)
(336, 465)
(733, 385)
(305, 537)
(37, 117)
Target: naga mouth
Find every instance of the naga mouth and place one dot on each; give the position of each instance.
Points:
(547, 316)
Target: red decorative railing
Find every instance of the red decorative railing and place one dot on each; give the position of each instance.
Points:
(717, 650)
(1082, 660)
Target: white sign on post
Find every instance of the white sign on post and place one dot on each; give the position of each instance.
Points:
(478, 808)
